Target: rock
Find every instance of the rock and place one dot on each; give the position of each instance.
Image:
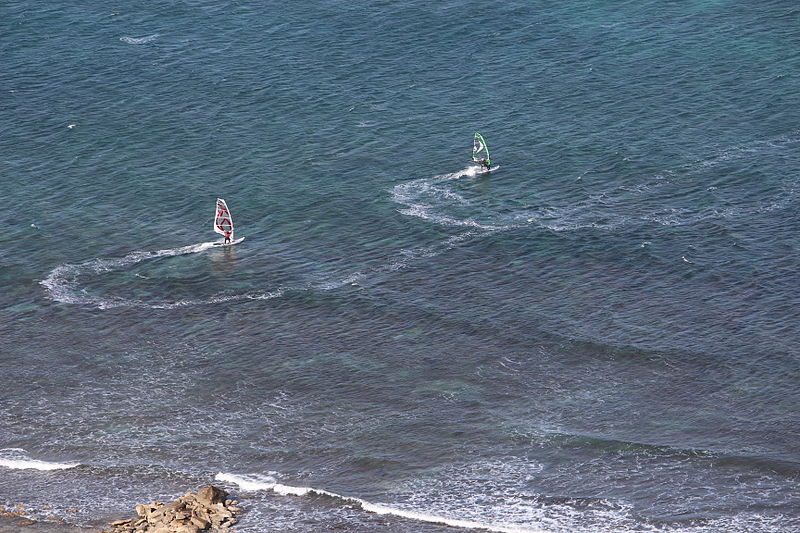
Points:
(224, 512)
(208, 510)
(210, 495)
(202, 514)
(187, 528)
(200, 523)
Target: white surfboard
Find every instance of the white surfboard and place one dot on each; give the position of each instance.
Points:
(237, 241)
(482, 170)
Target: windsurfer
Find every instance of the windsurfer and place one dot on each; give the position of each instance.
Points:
(480, 153)
(227, 237)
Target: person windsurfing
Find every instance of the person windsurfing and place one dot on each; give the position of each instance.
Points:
(223, 222)
(480, 152)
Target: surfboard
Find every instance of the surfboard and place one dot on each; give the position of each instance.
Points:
(237, 241)
(481, 170)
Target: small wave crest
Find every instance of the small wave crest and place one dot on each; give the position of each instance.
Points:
(15, 458)
(139, 40)
(254, 483)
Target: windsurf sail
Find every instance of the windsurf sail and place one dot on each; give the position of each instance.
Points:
(223, 222)
(479, 149)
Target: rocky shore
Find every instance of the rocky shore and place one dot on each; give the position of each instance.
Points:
(15, 519)
(207, 510)
(23, 524)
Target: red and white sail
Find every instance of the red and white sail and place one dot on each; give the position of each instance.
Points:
(223, 222)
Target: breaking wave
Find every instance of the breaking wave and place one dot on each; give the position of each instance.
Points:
(259, 483)
(15, 458)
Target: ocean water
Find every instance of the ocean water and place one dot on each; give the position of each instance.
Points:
(600, 336)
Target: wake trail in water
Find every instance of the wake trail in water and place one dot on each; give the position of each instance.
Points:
(426, 198)
(417, 197)
(692, 193)
(407, 256)
(657, 199)
(61, 285)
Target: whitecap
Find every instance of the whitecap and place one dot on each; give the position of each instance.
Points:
(139, 40)
(15, 458)
(252, 483)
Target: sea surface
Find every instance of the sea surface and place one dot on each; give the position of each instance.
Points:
(599, 336)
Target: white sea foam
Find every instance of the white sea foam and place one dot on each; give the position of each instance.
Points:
(261, 483)
(61, 284)
(15, 458)
(431, 199)
(139, 40)
(416, 196)
(34, 464)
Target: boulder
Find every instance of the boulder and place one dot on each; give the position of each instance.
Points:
(206, 511)
(200, 522)
(187, 528)
(210, 495)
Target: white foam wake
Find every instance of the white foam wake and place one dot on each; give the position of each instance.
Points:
(258, 483)
(62, 286)
(417, 197)
(15, 458)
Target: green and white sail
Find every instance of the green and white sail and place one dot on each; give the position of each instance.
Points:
(479, 149)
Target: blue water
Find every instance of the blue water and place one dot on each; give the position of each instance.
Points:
(600, 336)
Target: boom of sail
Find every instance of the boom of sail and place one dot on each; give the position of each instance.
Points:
(223, 222)
(479, 148)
